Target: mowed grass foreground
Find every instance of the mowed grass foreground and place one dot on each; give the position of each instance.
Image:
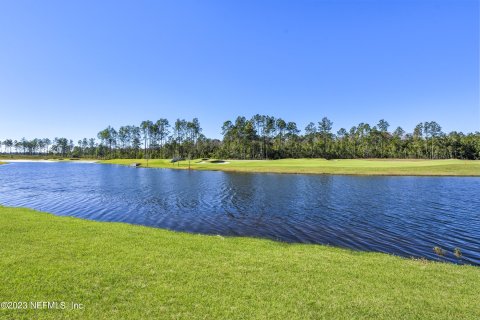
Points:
(121, 271)
(322, 166)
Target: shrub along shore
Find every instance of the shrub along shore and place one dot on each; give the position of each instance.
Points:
(321, 166)
(117, 270)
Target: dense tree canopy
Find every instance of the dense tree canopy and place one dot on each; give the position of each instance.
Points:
(260, 137)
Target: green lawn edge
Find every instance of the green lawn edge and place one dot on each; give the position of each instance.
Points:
(124, 271)
(321, 166)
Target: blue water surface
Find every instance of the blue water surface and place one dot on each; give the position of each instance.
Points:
(405, 216)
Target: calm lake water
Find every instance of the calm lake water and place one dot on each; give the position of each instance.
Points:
(405, 216)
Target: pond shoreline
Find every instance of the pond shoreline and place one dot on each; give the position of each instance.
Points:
(350, 167)
(353, 167)
(44, 161)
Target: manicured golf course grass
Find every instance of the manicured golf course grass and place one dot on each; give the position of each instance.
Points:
(121, 271)
(322, 166)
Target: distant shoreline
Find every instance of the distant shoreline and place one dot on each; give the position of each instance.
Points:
(353, 167)
(359, 167)
(46, 161)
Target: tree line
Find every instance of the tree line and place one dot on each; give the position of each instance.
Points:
(267, 137)
(259, 137)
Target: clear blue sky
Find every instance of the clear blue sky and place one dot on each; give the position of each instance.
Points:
(70, 68)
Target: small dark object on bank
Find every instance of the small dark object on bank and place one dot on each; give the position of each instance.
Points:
(457, 252)
(176, 159)
(439, 251)
(136, 164)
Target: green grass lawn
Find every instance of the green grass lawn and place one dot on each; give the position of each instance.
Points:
(321, 166)
(121, 271)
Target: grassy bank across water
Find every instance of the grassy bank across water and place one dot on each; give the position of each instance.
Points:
(124, 271)
(322, 166)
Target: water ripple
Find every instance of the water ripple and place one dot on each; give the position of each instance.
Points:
(406, 216)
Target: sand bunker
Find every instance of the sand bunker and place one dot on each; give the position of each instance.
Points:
(214, 162)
